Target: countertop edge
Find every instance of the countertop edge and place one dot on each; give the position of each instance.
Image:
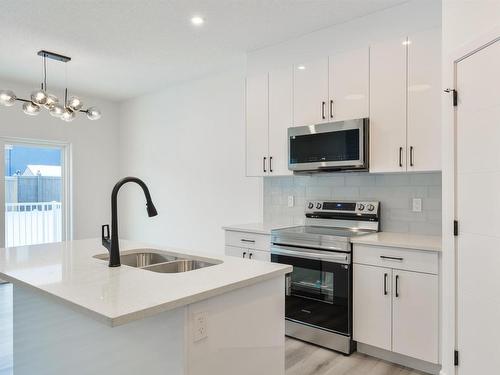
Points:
(415, 244)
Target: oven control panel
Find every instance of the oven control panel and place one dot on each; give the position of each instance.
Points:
(348, 207)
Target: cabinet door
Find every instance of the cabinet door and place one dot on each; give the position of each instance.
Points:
(415, 315)
(349, 85)
(310, 93)
(280, 119)
(424, 101)
(372, 305)
(259, 255)
(388, 106)
(257, 113)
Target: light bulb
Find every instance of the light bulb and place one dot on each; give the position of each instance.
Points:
(31, 109)
(51, 100)
(7, 98)
(74, 103)
(56, 110)
(39, 97)
(93, 113)
(68, 115)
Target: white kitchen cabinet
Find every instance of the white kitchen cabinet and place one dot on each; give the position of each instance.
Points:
(280, 119)
(415, 323)
(406, 319)
(310, 92)
(349, 85)
(424, 101)
(257, 122)
(388, 106)
(405, 104)
(248, 253)
(372, 300)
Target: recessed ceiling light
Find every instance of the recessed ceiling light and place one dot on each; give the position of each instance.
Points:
(301, 67)
(197, 20)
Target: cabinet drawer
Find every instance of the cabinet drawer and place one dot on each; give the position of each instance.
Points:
(240, 252)
(397, 258)
(248, 240)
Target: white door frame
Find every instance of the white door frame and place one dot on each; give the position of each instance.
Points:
(449, 327)
(67, 178)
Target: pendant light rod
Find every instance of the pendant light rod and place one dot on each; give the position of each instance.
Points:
(53, 56)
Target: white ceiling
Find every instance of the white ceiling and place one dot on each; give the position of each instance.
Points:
(124, 48)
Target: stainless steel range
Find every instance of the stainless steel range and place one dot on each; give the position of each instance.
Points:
(319, 290)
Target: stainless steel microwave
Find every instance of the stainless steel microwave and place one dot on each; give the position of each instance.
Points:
(335, 146)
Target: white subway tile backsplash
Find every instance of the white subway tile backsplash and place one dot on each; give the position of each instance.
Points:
(394, 191)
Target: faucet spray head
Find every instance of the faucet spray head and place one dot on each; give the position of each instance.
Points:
(151, 209)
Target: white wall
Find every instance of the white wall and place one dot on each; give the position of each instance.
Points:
(463, 22)
(94, 154)
(187, 142)
(416, 15)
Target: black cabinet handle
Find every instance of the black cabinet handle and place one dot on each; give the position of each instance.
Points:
(411, 156)
(245, 240)
(270, 164)
(331, 108)
(397, 286)
(385, 284)
(400, 157)
(244, 253)
(264, 164)
(250, 255)
(391, 258)
(323, 110)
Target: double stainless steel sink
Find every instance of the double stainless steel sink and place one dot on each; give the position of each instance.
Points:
(161, 261)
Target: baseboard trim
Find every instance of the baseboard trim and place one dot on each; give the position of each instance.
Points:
(403, 360)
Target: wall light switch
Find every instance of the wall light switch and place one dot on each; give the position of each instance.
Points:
(199, 326)
(291, 201)
(417, 204)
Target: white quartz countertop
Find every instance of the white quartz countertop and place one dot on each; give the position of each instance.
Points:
(260, 228)
(403, 240)
(67, 272)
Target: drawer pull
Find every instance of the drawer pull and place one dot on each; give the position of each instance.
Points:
(245, 240)
(391, 258)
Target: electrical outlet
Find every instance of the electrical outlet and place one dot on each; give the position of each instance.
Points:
(199, 326)
(417, 204)
(291, 201)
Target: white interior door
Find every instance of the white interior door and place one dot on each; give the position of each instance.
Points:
(478, 211)
(280, 119)
(257, 120)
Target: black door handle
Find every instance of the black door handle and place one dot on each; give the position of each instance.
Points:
(331, 108)
(323, 110)
(385, 284)
(401, 157)
(264, 164)
(391, 258)
(411, 156)
(397, 286)
(270, 164)
(250, 255)
(244, 253)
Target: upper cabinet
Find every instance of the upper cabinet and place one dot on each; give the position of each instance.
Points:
(349, 85)
(424, 101)
(268, 116)
(405, 104)
(388, 106)
(310, 92)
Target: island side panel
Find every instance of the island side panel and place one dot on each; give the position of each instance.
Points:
(52, 339)
(245, 332)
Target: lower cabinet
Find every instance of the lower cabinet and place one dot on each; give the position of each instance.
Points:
(396, 310)
(241, 252)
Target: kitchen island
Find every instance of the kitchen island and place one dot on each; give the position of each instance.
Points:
(75, 315)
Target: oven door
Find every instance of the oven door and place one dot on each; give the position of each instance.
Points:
(337, 145)
(318, 291)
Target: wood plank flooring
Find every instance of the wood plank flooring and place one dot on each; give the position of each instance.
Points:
(301, 358)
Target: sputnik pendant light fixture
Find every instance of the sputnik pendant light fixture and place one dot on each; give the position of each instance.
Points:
(42, 99)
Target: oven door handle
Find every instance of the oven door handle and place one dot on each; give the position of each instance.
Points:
(310, 254)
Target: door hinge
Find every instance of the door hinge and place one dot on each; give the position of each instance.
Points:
(455, 361)
(455, 227)
(455, 96)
